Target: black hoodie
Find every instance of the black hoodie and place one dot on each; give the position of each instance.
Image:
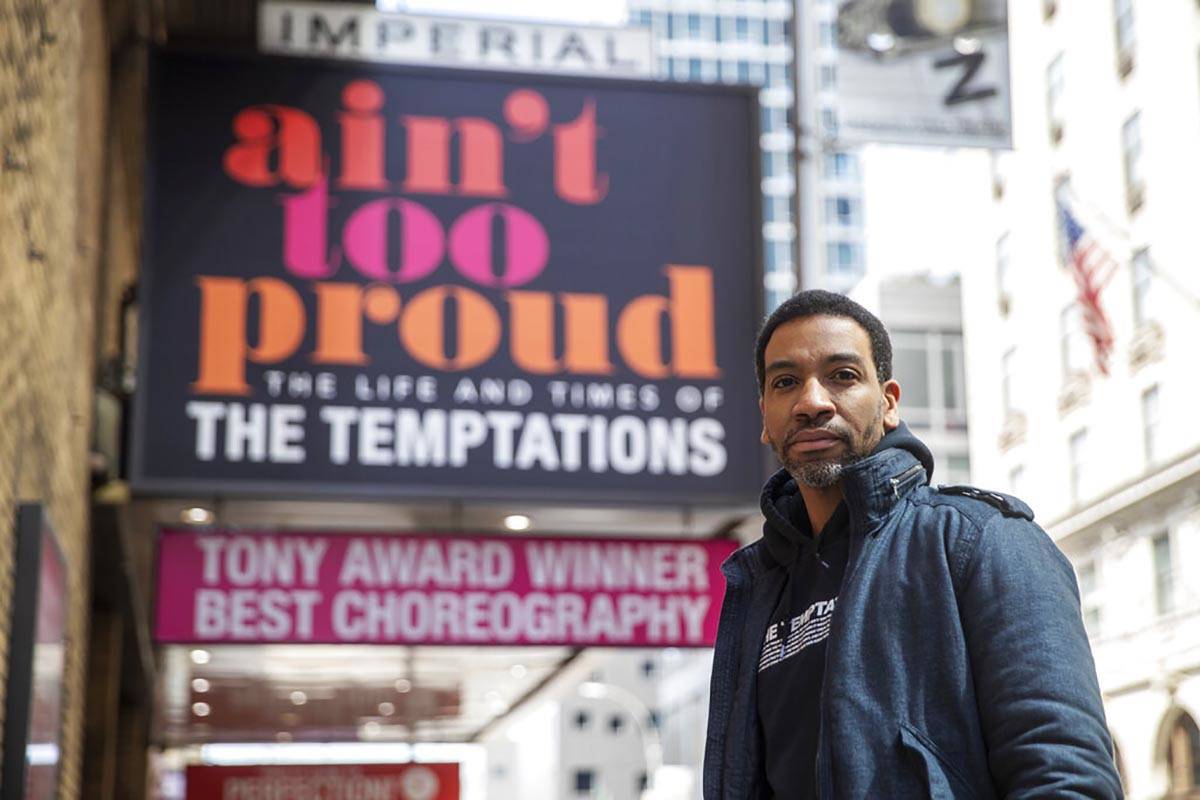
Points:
(792, 662)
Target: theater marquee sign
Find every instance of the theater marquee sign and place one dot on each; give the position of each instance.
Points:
(342, 588)
(368, 280)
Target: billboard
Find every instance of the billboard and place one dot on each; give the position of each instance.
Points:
(343, 588)
(341, 30)
(924, 72)
(324, 781)
(375, 281)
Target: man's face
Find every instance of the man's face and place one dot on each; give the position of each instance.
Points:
(823, 406)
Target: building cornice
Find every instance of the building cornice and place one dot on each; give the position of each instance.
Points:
(1166, 477)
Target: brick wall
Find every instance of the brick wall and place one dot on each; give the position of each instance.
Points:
(53, 102)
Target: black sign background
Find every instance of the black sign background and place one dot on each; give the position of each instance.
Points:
(681, 162)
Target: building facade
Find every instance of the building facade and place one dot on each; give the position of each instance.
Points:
(1083, 412)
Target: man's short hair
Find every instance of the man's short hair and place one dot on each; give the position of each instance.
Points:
(814, 302)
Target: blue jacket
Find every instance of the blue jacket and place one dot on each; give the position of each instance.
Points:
(957, 664)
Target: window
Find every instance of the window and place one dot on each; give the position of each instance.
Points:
(843, 257)
(841, 165)
(827, 34)
(777, 75)
(779, 255)
(1142, 283)
(1074, 347)
(585, 781)
(828, 73)
(742, 29)
(695, 69)
(958, 469)
(776, 32)
(1062, 200)
(911, 359)
(1003, 278)
(775, 209)
(774, 164)
(828, 121)
(1016, 481)
(1089, 597)
(1123, 17)
(1150, 425)
(1164, 579)
(1183, 757)
(1131, 149)
(1077, 448)
(693, 25)
(1055, 86)
(842, 211)
(743, 71)
(1007, 377)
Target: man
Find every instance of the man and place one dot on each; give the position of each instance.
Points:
(885, 639)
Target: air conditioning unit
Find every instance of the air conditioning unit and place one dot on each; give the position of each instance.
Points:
(1147, 344)
(1012, 432)
(1076, 390)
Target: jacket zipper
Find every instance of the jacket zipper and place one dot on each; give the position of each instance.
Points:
(847, 581)
(899, 480)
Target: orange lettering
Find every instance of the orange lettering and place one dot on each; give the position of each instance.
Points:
(477, 328)
(224, 348)
(689, 313)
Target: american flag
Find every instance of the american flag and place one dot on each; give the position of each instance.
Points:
(1092, 269)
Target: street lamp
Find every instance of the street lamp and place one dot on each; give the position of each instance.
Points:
(632, 705)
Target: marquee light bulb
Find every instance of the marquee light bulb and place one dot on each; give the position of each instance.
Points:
(517, 522)
(942, 17)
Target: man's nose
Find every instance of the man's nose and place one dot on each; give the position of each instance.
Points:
(813, 402)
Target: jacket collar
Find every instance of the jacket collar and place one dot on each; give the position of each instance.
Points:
(871, 489)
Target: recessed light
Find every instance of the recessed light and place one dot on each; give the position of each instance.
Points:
(371, 728)
(517, 671)
(283, 736)
(201, 656)
(403, 686)
(298, 698)
(201, 709)
(517, 522)
(196, 515)
(386, 709)
(200, 685)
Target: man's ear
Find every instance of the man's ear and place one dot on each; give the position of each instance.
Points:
(762, 437)
(891, 405)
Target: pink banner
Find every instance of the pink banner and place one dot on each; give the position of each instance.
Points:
(258, 587)
(324, 782)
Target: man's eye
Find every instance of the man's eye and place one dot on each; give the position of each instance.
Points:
(845, 375)
(783, 383)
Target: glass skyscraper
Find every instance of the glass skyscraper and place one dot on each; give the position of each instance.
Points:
(751, 42)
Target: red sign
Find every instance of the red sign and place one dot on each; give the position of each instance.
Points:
(324, 782)
(278, 587)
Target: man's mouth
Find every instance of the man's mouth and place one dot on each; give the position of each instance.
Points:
(812, 441)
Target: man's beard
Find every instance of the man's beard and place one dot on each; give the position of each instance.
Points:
(822, 474)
